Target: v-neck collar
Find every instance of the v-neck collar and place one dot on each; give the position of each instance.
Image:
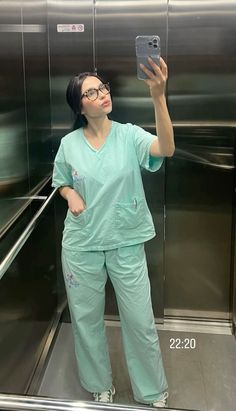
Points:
(97, 150)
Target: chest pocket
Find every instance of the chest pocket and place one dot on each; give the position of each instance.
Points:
(129, 215)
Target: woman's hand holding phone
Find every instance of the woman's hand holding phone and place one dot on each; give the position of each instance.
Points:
(157, 78)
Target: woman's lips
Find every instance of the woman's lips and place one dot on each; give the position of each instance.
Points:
(106, 103)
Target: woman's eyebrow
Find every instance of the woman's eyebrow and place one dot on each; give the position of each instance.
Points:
(93, 88)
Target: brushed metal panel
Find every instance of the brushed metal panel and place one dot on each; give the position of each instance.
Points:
(13, 142)
(25, 149)
(233, 284)
(70, 54)
(199, 190)
(23, 126)
(36, 66)
(202, 62)
(117, 24)
(28, 299)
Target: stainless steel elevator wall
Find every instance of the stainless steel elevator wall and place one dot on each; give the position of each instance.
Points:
(70, 54)
(28, 295)
(13, 154)
(37, 90)
(200, 177)
(25, 145)
(199, 193)
(117, 25)
(202, 61)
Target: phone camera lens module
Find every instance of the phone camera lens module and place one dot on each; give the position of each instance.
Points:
(154, 40)
(150, 43)
(155, 45)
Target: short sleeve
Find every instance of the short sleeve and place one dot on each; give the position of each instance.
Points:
(142, 141)
(61, 171)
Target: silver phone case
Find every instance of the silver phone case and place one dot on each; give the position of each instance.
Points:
(147, 46)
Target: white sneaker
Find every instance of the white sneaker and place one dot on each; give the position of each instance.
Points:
(105, 396)
(162, 402)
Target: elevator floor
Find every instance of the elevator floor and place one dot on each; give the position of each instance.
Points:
(201, 378)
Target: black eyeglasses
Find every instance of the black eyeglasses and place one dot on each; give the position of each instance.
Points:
(92, 93)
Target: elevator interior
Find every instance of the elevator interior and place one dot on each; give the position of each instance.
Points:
(192, 198)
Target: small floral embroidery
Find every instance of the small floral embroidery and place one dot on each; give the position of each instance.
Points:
(71, 280)
(76, 176)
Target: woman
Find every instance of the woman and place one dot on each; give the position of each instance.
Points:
(97, 170)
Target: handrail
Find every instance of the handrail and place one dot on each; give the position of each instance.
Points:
(6, 262)
(16, 402)
(191, 124)
(31, 196)
(210, 124)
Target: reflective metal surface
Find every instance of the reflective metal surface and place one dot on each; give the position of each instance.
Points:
(233, 280)
(117, 25)
(7, 261)
(70, 54)
(13, 154)
(20, 205)
(199, 190)
(25, 153)
(200, 178)
(25, 160)
(201, 60)
(28, 296)
(14, 402)
(37, 92)
(24, 163)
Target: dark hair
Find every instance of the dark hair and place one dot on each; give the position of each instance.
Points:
(73, 97)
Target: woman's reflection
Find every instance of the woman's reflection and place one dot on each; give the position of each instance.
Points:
(97, 170)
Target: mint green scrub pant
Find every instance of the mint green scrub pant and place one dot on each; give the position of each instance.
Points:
(85, 274)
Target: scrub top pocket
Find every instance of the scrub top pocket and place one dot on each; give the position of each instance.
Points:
(82, 220)
(129, 215)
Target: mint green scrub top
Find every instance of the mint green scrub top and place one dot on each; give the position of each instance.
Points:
(110, 183)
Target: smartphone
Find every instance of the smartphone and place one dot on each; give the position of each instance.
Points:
(147, 46)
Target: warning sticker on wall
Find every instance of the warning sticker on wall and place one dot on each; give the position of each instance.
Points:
(70, 28)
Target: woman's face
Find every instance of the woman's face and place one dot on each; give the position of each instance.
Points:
(99, 107)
